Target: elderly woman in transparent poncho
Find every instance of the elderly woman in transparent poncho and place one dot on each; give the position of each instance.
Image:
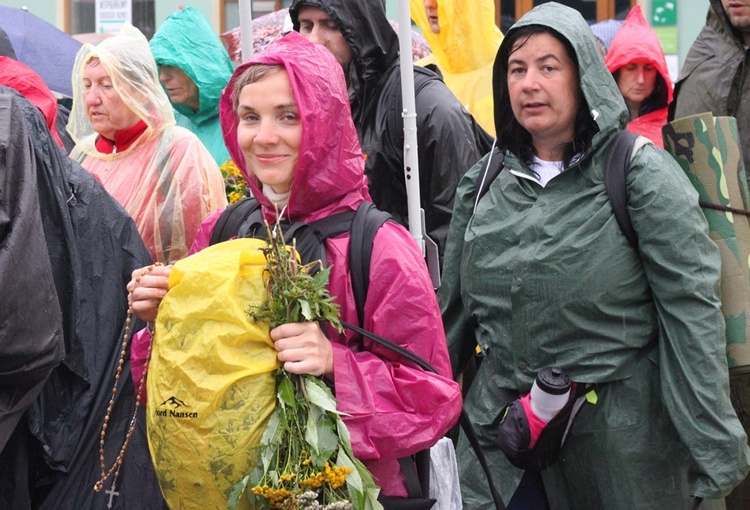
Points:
(125, 134)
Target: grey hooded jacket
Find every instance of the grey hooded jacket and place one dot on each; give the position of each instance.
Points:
(714, 77)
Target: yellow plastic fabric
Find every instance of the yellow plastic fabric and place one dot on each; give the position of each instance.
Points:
(465, 51)
(211, 388)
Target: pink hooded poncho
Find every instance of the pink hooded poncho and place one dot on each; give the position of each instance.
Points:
(636, 41)
(391, 407)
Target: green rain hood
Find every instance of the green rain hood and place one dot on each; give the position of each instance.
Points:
(187, 40)
(542, 277)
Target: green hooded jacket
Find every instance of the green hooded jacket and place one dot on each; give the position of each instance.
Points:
(187, 40)
(542, 277)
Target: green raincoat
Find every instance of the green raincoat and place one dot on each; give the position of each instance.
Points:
(187, 40)
(544, 276)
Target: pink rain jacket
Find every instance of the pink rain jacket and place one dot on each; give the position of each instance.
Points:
(636, 41)
(393, 408)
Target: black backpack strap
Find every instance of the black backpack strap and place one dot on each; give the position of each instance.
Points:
(616, 167)
(229, 223)
(464, 419)
(367, 220)
(491, 171)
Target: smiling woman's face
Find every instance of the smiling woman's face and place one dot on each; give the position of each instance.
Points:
(270, 130)
(105, 108)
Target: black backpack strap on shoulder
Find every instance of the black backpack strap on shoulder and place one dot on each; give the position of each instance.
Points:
(616, 167)
(367, 220)
(491, 171)
(229, 223)
(464, 419)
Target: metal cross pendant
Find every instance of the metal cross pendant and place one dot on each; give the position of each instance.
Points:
(112, 493)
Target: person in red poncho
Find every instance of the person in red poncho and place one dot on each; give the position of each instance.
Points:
(637, 62)
(19, 76)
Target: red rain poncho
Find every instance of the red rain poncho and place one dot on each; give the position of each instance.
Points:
(166, 180)
(21, 77)
(392, 408)
(636, 41)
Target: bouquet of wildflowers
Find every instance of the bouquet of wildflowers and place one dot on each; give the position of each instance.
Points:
(305, 460)
(234, 183)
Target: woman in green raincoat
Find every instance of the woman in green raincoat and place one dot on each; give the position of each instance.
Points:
(538, 273)
(194, 68)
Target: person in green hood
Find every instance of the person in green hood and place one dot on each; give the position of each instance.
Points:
(538, 273)
(194, 68)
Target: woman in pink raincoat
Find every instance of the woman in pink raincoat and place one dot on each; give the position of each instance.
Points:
(637, 62)
(287, 123)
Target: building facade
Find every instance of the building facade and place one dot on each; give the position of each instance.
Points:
(78, 16)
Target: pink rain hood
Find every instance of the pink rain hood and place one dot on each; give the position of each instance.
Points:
(330, 172)
(392, 408)
(636, 41)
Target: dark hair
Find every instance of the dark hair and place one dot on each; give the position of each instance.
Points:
(510, 133)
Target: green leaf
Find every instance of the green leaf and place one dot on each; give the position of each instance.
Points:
(371, 499)
(236, 493)
(328, 441)
(344, 436)
(320, 394)
(266, 456)
(353, 479)
(285, 392)
(311, 433)
(271, 428)
(306, 311)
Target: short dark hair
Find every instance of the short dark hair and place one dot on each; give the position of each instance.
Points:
(510, 133)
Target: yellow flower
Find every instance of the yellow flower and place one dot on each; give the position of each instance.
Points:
(229, 168)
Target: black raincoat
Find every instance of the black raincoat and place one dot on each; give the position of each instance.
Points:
(92, 247)
(449, 139)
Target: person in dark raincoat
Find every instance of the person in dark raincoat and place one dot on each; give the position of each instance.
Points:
(637, 62)
(194, 67)
(29, 348)
(449, 139)
(66, 250)
(714, 77)
(538, 273)
(306, 160)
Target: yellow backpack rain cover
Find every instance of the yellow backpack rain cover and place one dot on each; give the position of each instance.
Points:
(211, 388)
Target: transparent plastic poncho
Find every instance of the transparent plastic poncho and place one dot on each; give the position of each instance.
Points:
(166, 180)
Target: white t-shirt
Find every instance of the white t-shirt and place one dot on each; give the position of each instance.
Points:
(546, 170)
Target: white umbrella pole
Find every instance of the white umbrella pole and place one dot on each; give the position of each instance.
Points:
(411, 162)
(246, 29)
